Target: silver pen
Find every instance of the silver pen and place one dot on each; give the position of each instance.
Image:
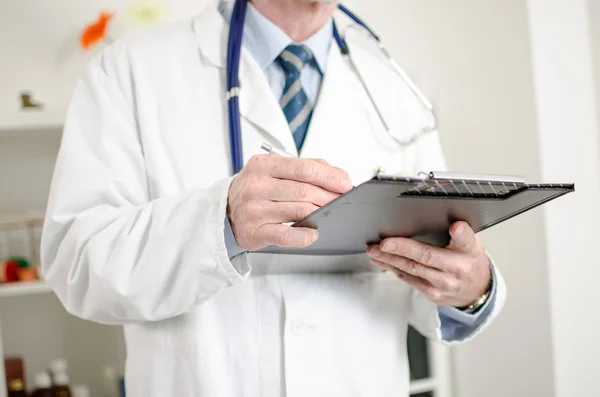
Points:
(270, 149)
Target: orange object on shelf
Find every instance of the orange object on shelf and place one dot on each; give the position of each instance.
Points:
(96, 31)
(28, 274)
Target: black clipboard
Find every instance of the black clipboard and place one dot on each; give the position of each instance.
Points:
(421, 207)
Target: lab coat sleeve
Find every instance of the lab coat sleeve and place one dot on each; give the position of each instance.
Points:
(110, 253)
(442, 323)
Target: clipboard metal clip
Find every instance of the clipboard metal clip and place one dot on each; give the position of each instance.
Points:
(455, 176)
(448, 176)
(436, 183)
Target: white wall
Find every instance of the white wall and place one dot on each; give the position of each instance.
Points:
(594, 8)
(568, 136)
(26, 167)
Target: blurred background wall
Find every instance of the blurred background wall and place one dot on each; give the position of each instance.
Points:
(473, 59)
(595, 35)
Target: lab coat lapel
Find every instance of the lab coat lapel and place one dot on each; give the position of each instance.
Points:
(211, 34)
(336, 109)
(259, 106)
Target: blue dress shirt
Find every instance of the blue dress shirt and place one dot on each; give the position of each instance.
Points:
(265, 41)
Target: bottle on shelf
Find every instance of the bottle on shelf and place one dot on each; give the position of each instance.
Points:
(80, 391)
(60, 378)
(61, 385)
(58, 366)
(43, 385)
(16, 388)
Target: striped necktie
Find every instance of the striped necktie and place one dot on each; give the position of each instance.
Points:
(294, 102)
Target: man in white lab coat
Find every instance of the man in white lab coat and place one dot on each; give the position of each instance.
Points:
(147, 228)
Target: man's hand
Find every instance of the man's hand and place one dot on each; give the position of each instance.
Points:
(271, 190)
(453, 276)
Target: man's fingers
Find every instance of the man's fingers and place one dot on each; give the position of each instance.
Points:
(434, 276)
(311, 172)
(463, 236)
(280, 212)
(285, 190)
(417, 282)
(417, 251)
(285, 236)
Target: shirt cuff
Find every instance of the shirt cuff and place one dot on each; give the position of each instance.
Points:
(449, 312)
(456, 325)
(233, 249)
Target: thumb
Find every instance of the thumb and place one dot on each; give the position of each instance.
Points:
(463, 236)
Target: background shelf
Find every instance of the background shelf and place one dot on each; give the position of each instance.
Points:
(24, 288)
(32, 121)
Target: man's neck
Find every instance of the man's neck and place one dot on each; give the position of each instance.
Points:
(299, 19)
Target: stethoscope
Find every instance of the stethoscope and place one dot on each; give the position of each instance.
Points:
(234, 49)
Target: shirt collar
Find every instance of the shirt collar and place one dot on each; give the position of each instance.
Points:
(265, 40)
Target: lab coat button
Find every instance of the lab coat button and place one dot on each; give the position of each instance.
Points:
(300, 327)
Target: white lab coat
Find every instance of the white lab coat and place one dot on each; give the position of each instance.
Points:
(134, 228)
